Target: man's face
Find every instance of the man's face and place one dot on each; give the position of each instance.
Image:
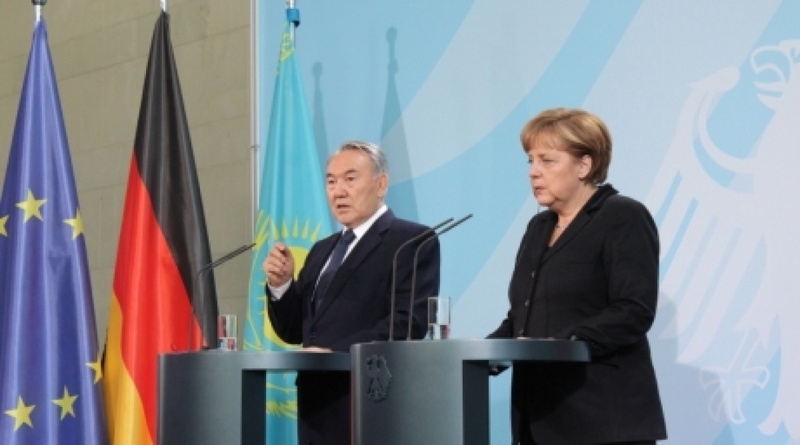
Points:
(354, 192)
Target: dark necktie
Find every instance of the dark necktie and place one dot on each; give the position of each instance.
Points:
(333, 265)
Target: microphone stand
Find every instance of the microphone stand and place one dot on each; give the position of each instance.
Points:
(414, 270)
(427, 232)
(201, 273)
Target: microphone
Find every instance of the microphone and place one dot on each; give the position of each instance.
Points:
(428, 232)
(199, 278)
(414, 270)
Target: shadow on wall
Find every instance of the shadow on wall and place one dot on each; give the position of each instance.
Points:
(684, 398)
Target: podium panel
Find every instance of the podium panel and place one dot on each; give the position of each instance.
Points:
(219, 397)
(437, 391)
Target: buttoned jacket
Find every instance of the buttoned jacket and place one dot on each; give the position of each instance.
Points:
(599, 283)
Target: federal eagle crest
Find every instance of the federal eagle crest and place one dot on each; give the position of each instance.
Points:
(379, 378)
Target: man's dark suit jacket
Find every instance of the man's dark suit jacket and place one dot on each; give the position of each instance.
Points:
(356, 309)
(598, 282)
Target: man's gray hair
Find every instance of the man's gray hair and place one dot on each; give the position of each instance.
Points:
(375, 153)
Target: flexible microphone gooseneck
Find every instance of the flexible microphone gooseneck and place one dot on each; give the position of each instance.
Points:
(199, 278)
(428, 232)
(414, 270)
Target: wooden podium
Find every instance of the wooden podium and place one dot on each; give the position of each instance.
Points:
(219, 397)
(437, 391)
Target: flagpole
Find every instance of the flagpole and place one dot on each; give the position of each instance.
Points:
(38, 8)
(293, 14)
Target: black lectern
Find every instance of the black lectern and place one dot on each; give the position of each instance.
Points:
(219, 397)
(436, 391)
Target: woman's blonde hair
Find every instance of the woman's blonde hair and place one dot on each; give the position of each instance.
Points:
(575, 131)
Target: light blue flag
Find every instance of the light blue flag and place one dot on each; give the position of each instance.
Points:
(293, 209)
(50, 388)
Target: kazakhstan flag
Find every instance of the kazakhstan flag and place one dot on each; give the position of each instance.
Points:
(292, 208)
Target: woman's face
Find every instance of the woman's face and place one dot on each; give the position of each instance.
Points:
(557, 177)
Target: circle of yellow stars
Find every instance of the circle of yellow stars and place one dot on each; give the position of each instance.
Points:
(31, 208)
(66, 403)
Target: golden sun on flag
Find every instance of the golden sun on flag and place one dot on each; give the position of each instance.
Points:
(298, 235)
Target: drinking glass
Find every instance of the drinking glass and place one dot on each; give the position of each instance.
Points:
(227, 331)
(438, 318)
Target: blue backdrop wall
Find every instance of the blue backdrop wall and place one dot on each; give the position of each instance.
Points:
(703, 102)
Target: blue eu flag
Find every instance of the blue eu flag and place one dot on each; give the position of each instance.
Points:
(50, 389)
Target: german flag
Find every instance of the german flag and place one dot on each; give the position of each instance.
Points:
(158, 304)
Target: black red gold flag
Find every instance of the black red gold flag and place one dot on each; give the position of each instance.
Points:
(158, 303)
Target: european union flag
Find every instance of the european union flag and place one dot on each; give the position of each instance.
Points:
(50, 390)
(292, 208)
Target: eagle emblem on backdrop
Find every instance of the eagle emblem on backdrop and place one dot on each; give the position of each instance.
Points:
(726, 201)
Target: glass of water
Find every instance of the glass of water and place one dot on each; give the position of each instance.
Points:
(227, 332)
(438, 318)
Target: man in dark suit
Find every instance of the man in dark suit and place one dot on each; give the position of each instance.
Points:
(342, 294)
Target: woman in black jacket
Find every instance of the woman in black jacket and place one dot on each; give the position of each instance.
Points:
(586, 269)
